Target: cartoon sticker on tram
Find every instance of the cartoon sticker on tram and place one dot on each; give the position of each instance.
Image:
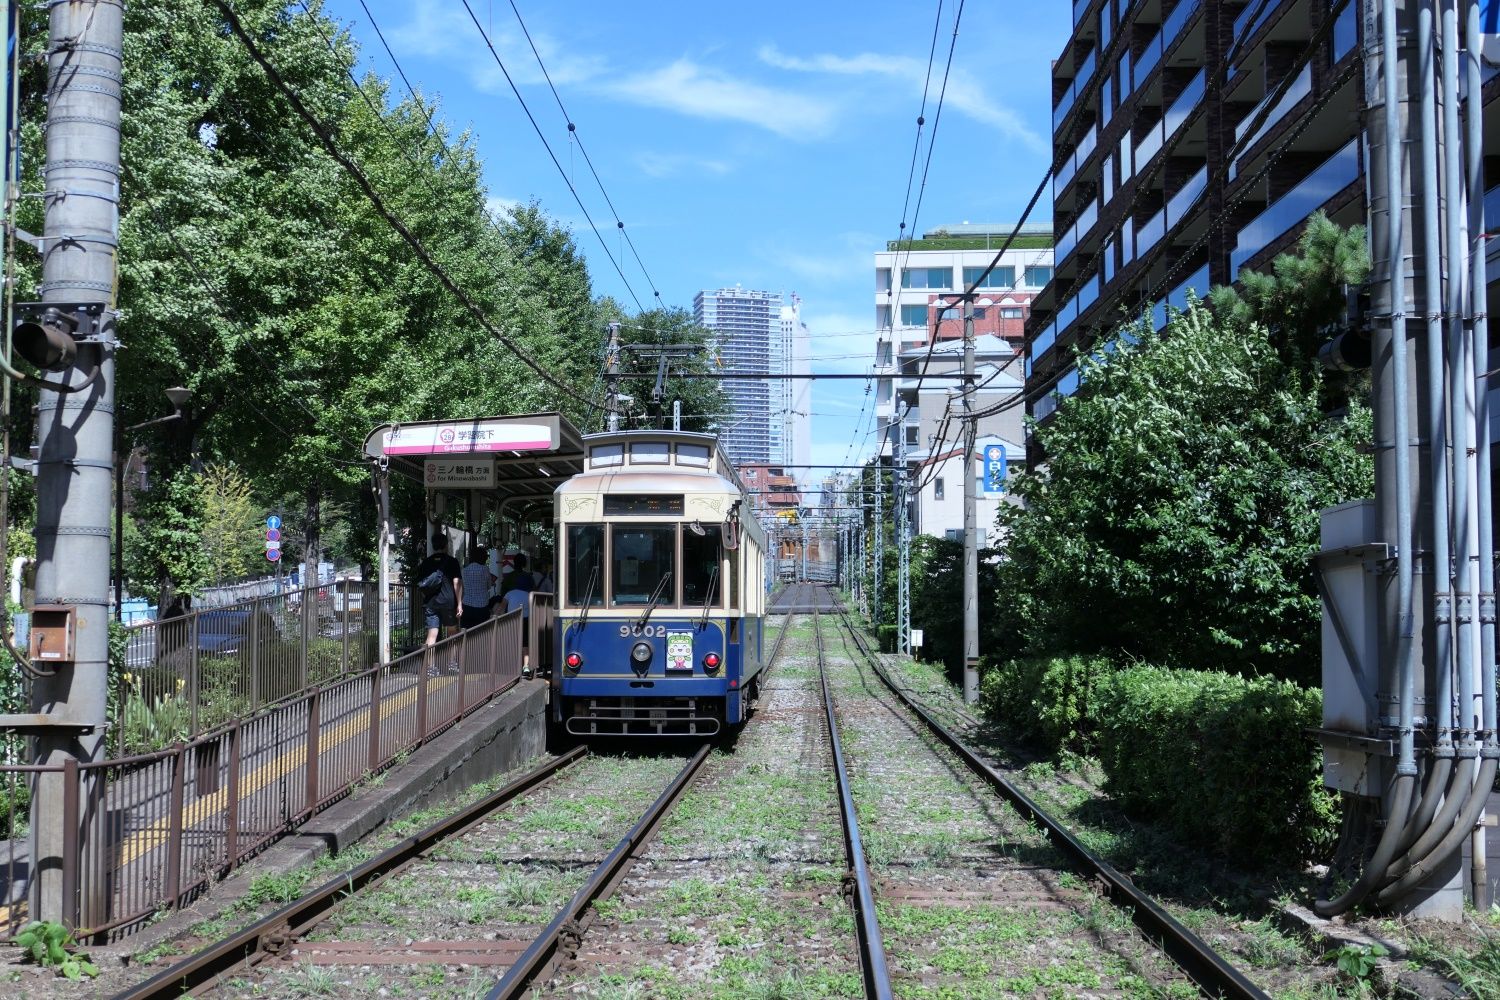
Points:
(680, 651)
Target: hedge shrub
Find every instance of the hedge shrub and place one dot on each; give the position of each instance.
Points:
(1219, 758)
(1051, 701)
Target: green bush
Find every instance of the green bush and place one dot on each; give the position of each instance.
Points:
(1051, 701)
(1220, 759)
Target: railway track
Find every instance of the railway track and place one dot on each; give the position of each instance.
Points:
(747, 865)
(940, 866)
(501, 858)
(473, 891)
(758, 884)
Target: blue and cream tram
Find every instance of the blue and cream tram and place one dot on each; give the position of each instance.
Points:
(661, 590)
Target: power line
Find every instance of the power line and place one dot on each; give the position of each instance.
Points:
(550, 153)
(331, 146)
(575, 137)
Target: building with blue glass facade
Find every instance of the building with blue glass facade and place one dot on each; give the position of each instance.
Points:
(1191, 138)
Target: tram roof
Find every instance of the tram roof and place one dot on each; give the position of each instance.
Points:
(533, 452)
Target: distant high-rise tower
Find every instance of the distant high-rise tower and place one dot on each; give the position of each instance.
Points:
(748, 335)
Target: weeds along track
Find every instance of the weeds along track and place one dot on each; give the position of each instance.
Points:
(446, 911)
(745, 891)
(980, 892)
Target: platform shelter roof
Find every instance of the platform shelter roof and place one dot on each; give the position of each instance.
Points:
(532, 454)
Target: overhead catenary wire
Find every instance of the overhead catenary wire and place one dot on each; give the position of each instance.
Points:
(330, 145)
(578, 199)
(573, 134)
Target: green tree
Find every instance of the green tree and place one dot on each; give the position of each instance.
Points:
(1179, 505)
(169, 559)
(232, 539)
(704, 403)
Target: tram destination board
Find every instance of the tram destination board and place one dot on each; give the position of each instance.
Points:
(642, 503)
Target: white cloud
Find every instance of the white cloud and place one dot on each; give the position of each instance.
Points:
(699, 92)
(964, 93)
(498, 207)
(443, 31)
(677, 164)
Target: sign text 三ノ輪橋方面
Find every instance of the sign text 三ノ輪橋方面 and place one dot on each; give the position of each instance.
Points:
(459, 473)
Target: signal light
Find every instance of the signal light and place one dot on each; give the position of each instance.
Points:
(711, 662)
(46, 339)
(573, 660)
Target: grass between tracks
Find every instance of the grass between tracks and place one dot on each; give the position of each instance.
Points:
(740, 896)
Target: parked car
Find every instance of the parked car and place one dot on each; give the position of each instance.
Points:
(222, 632)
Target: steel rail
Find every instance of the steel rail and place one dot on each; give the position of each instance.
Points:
(539, 956)
(877, 976)
(1204, 966)
(294, 919)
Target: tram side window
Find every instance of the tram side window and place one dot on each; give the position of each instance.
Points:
(702, 555)
(585, 564)
(643, 554)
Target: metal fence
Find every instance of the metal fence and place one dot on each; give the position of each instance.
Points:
(154, 829)
(189, 674)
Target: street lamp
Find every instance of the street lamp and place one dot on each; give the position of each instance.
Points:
(178, 397)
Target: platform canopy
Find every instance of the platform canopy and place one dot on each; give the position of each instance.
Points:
(521, 458)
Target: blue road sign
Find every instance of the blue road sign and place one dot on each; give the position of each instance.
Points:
(274, 555)
(994, 470)
(273, 522)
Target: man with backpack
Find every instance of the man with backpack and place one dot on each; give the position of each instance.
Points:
(440, 579)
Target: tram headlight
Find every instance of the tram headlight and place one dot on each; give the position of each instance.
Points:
(640, 653)
(711, 662)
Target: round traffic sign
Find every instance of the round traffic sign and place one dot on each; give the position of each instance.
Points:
(273, 522)
(272, 535)
(274, 555)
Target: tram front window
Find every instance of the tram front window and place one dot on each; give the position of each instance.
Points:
(701, 556)
(585, 564)
(643, 555)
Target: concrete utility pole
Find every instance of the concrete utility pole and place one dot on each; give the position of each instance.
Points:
(612, 377)
(76, 436)
(971, 528)
(879, 539)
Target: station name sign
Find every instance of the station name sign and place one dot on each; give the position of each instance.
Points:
(469, 436)
(459, 473)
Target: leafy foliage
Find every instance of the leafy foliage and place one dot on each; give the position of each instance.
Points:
(1175, 516)
(231, 522)
(1052, 701)
(170, 556)
(1221, 759)
(49, 943)
(1358, 961)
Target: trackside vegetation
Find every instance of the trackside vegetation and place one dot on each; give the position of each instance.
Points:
(1153, 597)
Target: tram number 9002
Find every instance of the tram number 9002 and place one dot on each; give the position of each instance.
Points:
(647, 631)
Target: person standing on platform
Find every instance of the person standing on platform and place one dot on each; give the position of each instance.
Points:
(477, 581)
(439, 579)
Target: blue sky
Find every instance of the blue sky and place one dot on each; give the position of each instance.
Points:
(765, 145)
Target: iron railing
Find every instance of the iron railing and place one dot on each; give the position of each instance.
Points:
(183, 676)
(150, 831)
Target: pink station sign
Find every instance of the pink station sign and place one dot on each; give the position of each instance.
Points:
(468, 436)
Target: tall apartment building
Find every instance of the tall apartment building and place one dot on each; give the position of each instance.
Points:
(748, 335)
(914, 280)
(1152, 101)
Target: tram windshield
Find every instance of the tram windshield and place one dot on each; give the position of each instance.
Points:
(585, 564)
(701, 556)
(643, 554)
